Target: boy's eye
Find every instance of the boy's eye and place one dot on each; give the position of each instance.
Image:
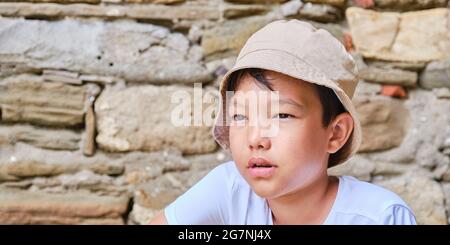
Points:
(238, 117)
(283, 115)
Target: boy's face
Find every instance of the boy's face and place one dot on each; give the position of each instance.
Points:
(292, 157)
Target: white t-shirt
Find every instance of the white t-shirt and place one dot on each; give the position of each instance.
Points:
(223, 197)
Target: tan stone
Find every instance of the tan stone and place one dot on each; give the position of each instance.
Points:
(62, 1)
(389, 76)
(227, 39)
(383, 122)
(24, 161)
(145, 12)
(231, 11)
(27, 98)
(26, 207)
(99, 79)
(140, 119)
(446, 189)
(339, 3)
(56, 139)
(61, 76)
(158, 193)
(423, 195)
(406, 5)
(418, 36)
(372, 31)
(89, 137)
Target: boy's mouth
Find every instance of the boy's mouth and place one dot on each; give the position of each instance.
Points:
(259, 162)
(260, 167)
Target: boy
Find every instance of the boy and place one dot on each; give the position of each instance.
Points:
(279, 172)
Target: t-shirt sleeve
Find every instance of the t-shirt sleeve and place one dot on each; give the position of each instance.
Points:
(398, 215)
(205, 203)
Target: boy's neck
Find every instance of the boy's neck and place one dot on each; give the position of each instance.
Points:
(310, 205)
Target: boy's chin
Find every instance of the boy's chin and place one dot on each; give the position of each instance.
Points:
(264, 191)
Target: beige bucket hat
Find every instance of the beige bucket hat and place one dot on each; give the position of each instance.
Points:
(297, 49)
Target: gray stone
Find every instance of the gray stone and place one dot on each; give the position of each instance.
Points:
(219, 68)
(25, 161)
(436, 75)
(390, 169)
(320, 12)
(158, 193)
(140, 118)
(422, 141)
(446, 175)
(133, 51)
(442, 93)
(382, 120)
(334, 29)
(389, 76)
(27, 98)
(226, 39)
(13, 68)
(423, 195)
(418, 36)
(367, 89)
(208, 161)
(141, 167)
(63, 1)
(151, 197)
(140, 215)
(416, 66)
(83, 180)
(446, 189)
(56, 139)
(291, 8)
(27, 207)
(356, 166)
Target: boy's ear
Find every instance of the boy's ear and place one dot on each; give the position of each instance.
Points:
(340, 130)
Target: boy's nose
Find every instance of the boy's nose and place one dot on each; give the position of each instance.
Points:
(257, 141)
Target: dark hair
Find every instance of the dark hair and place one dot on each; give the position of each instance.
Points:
(331, 105)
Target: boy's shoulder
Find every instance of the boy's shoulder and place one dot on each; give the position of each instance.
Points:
(365, 199)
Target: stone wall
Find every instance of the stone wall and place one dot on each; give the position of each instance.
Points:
(85, 87)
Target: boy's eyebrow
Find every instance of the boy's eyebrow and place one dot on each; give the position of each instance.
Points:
(238, 102)
(290, 102)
